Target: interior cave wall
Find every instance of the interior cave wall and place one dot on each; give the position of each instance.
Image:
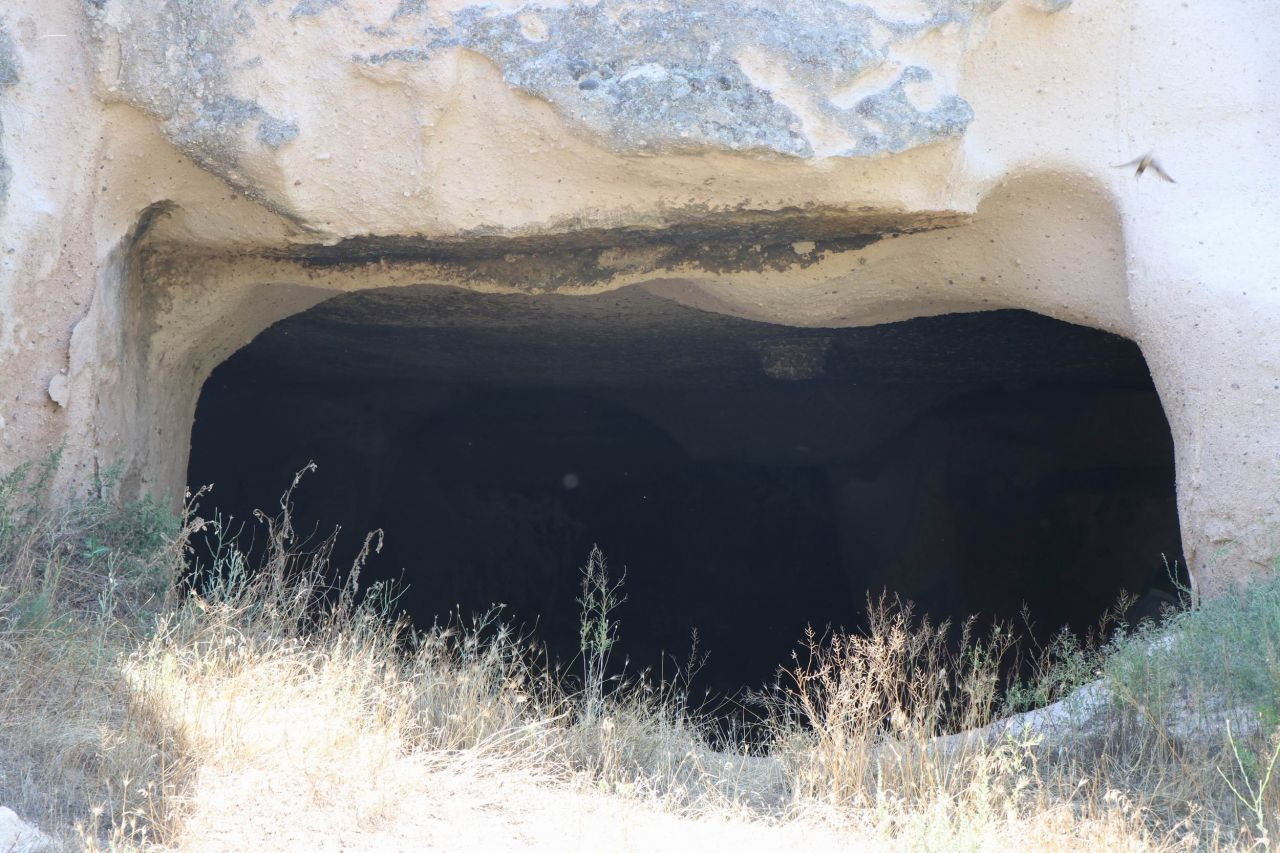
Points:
(749, 479)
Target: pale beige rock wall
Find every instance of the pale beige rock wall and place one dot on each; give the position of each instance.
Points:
(177, 180)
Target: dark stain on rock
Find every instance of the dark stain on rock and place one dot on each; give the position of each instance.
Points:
(740, 241)
(9, 70)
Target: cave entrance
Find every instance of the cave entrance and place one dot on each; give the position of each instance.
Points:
(751, 479)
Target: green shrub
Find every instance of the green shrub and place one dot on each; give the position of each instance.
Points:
(1223, 654)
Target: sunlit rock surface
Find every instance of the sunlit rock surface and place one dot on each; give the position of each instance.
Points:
(180, 176)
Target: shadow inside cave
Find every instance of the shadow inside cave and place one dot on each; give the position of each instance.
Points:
(749, 479)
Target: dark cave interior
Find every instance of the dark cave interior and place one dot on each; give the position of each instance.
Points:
(750, 479)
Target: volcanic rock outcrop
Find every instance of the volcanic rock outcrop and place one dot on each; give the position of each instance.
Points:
(176, 177)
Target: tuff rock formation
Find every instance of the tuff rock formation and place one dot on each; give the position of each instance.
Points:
(175, 177)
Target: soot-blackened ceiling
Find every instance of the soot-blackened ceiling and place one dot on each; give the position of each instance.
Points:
(443, 334)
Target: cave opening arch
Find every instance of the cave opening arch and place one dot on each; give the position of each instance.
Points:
(751, 478)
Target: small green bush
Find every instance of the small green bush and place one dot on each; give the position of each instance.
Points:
(91, 553)
(1223, 654)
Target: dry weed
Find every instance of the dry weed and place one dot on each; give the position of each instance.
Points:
(274, 708)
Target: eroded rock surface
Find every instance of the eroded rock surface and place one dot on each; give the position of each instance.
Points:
(177, 61)
(694, 75)
(788, 78)
(8, 76)
(182, 175)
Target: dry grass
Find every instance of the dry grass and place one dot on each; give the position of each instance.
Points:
(274, 711)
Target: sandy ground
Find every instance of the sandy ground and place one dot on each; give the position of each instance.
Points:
(457, 809)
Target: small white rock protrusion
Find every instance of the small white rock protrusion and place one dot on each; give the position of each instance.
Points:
(60, 393)
(1049, 6)
(18, 836)
(804, 247)
(533, 27)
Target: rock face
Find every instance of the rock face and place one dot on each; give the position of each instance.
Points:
(769, 78)
(17, 836)
(788, 78)
(8, 76)
(176, 177)
(710, 86)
